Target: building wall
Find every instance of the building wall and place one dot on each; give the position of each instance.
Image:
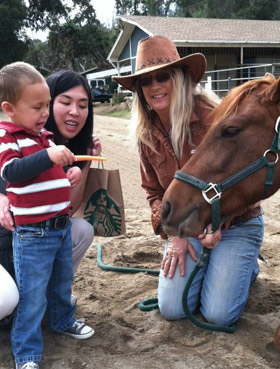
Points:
(129, 51)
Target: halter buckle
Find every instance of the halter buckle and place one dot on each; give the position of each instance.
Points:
(277, 124)
(274, 153)
(212, 186)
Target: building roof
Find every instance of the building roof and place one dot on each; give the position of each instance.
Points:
(200, 32)
(182, 30)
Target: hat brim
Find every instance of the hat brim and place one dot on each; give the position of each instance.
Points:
(195, 64)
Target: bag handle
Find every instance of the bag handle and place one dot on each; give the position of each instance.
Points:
(100, 163)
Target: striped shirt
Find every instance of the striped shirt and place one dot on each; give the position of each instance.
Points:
(37, 189)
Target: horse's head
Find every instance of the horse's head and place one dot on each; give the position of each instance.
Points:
(242, 130)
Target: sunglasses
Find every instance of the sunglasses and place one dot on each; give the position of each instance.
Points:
(160, 78)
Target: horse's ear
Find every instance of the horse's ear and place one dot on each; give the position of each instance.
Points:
(269, 76)
(273, 92)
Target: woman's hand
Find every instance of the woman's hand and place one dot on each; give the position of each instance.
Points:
(176, 251)
(74, 175)
(95, 148)
(208, 239)
(6, 219)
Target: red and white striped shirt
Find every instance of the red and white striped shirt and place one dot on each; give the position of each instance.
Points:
(37, 189)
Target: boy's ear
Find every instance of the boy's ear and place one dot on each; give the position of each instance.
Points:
(7, 108)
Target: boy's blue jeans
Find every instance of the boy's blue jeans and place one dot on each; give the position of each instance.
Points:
(221, 287)
(44, 275)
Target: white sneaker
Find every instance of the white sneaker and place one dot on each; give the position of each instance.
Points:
(28, 365)
(80, 330)
(73, 300)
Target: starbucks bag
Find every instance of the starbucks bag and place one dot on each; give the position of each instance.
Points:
(102, 204)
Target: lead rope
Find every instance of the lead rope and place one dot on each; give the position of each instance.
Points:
(152, 303)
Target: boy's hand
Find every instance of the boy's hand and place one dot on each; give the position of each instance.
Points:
(61, 155)
(74, 175)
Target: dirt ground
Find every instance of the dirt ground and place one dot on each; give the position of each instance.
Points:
(127, 338)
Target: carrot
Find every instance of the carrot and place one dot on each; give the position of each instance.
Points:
(89, 157)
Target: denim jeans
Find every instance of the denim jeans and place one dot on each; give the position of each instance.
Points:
(221, 287)
(44, 275)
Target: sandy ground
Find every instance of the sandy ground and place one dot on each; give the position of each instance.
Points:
(125, 337)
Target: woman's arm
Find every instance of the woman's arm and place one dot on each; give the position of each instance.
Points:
(154, 192)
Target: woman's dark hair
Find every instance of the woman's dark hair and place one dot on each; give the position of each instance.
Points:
(58, 83)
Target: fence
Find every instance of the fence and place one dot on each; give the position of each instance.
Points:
(221, 81)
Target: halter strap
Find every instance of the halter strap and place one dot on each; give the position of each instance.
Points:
(235, 178)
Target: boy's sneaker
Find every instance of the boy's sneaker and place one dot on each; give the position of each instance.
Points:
(73, 300)
(28, 365)
(80, 330)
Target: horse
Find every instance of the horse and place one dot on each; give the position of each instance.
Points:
(236, 164)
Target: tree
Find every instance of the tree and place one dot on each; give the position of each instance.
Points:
(258, 9)
(12, 45)
(76, 39)
(41, 14)
(190, 8)
(148, 7)
(238, 9)
(78, 48)
(38, 54)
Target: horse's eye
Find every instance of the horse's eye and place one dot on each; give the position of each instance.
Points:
(230, 131)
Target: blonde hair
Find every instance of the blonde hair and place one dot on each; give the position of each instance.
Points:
(14, 78)
(184, 96)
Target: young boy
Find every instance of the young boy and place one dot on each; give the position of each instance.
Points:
(39, 194)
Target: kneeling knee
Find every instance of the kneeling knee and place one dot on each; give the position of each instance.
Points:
(219, 318)
(170, 311)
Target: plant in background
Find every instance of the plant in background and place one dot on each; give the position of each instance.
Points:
(118, 98)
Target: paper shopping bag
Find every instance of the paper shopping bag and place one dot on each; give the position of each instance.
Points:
(102, 203)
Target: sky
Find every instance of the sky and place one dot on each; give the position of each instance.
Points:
(104, 10)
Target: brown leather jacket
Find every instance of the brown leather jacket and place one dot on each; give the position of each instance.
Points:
(158, 169)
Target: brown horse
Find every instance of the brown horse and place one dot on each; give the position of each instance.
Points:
(242, 131)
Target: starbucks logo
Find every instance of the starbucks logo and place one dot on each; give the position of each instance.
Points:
(103, 213)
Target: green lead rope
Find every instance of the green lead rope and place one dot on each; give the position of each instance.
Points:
(120, 269)
(208, 326)
(152, 303)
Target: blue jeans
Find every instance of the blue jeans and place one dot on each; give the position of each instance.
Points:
(44, 275)
(221, 287)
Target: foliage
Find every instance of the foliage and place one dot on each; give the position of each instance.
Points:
(78, 41)
(12, 46)
(71, 47)
(148, 7)
(118, 98)
(76, 38)
(239, 9)
(38, 54)
(41, 14)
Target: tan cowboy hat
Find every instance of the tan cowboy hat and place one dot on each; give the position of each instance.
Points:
(156, 52)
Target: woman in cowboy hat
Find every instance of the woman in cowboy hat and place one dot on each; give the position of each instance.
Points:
(171, 114)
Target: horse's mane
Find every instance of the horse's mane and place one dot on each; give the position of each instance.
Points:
(230, 103)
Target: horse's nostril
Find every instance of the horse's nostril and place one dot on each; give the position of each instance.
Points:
(165, 211)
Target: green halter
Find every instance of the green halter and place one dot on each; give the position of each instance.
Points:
(235, 178)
